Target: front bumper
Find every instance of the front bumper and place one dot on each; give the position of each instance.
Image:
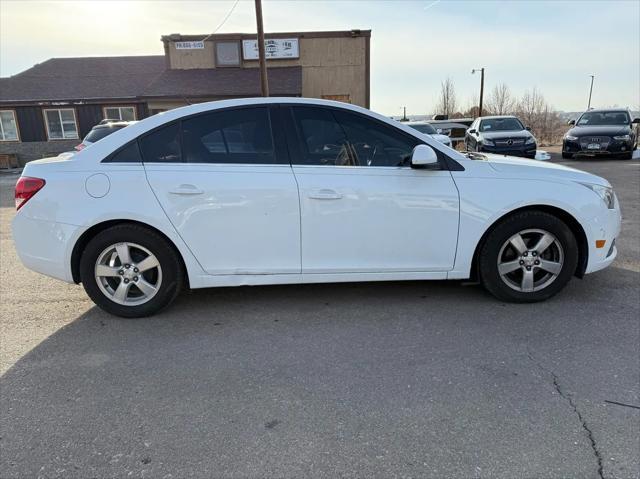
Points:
(605, 226)
(612, 148)
(526, 151)
(45, 246)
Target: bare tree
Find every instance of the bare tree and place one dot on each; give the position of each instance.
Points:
(501, 102)
(447, 99)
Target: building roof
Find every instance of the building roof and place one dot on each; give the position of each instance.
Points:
(96, 78)
(83, 78)
(224, 82)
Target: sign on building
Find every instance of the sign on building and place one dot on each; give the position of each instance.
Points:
(189, 45)
(273, 48)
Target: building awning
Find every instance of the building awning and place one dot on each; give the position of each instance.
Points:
(224, 82)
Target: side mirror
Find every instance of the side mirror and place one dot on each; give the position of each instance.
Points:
(636, 120)
(472, 131)
(423, 155)
(571, 122)
(528, 128)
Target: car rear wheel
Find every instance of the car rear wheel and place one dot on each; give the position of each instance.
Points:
(131, 271)
(528, 257)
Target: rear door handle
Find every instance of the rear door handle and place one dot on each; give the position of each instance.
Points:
(324, 194)
(186, 190)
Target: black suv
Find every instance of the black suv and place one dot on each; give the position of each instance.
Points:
(601, 133)
(503, 135)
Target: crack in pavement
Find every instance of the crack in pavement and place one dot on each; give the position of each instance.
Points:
(583, 422)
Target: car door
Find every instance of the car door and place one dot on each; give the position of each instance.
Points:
(228, 189)
(363, 208)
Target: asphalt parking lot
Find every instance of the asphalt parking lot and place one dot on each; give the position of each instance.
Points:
(414, 379)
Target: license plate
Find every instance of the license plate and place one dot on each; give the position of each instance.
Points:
(593, 146)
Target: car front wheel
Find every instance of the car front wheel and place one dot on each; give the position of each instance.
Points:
(528, 257)
(131, 271)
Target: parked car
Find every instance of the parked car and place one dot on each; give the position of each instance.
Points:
(101, 130)
(601, 133)
(295, 190)
(504, 135)
(428, 129)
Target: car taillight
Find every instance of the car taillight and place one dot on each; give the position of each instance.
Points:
(26, 187)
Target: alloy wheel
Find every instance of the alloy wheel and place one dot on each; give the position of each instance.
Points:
(128, 274)
(530, 260)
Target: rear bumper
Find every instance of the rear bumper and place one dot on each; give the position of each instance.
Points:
(45, 246)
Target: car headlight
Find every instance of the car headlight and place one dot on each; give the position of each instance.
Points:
(531, 140)
(488, 142)
(622, 137)
(570, 137)
(604, 192)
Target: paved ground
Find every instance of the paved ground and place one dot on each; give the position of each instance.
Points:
(392, 380)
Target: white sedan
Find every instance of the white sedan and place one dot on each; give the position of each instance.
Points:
(294, 190)
(428, 129)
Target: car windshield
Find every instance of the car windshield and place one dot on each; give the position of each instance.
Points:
(424, 128)
(604, 118)
(501, 124)
(99, 133)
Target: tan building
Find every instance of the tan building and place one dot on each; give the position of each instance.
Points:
(332, 65)
(50, 107)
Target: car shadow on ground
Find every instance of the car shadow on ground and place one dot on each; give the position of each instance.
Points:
(267, 380)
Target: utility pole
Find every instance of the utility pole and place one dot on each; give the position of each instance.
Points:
(481, 70)
(404, 114)
(590, 91)
(264, 82)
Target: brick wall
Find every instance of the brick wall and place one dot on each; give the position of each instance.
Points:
(34, 150)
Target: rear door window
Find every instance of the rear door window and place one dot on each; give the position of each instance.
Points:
(162, 145)
(230, 136)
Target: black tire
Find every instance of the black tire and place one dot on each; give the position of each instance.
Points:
(171, 281)
(627, 156)
(506, 229)
(567, 156)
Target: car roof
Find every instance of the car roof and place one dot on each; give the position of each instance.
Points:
(497, 117)
(113, 124)
(607, 110)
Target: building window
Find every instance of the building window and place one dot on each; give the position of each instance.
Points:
(227, 54)
(8, 126)
(122, 113)
(61, 124)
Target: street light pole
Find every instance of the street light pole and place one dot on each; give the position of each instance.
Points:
(481, 70)
(264, 82)
(590, 91)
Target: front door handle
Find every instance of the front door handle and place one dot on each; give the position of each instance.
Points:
(324, 194)
(186, 190)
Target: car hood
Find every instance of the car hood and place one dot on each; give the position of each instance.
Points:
(523, 168)
(490, 135)
(605, 130)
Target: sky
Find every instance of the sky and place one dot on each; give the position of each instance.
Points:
(415, 45)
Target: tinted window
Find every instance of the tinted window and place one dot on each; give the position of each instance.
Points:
(129, 154)
(162, 145)
(232, 136)
(99, 133)
(602, 118)
(374, 143)
(322, 139)
(501, 124)
(424, 128)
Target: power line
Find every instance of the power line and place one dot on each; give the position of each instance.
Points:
(224, 20)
